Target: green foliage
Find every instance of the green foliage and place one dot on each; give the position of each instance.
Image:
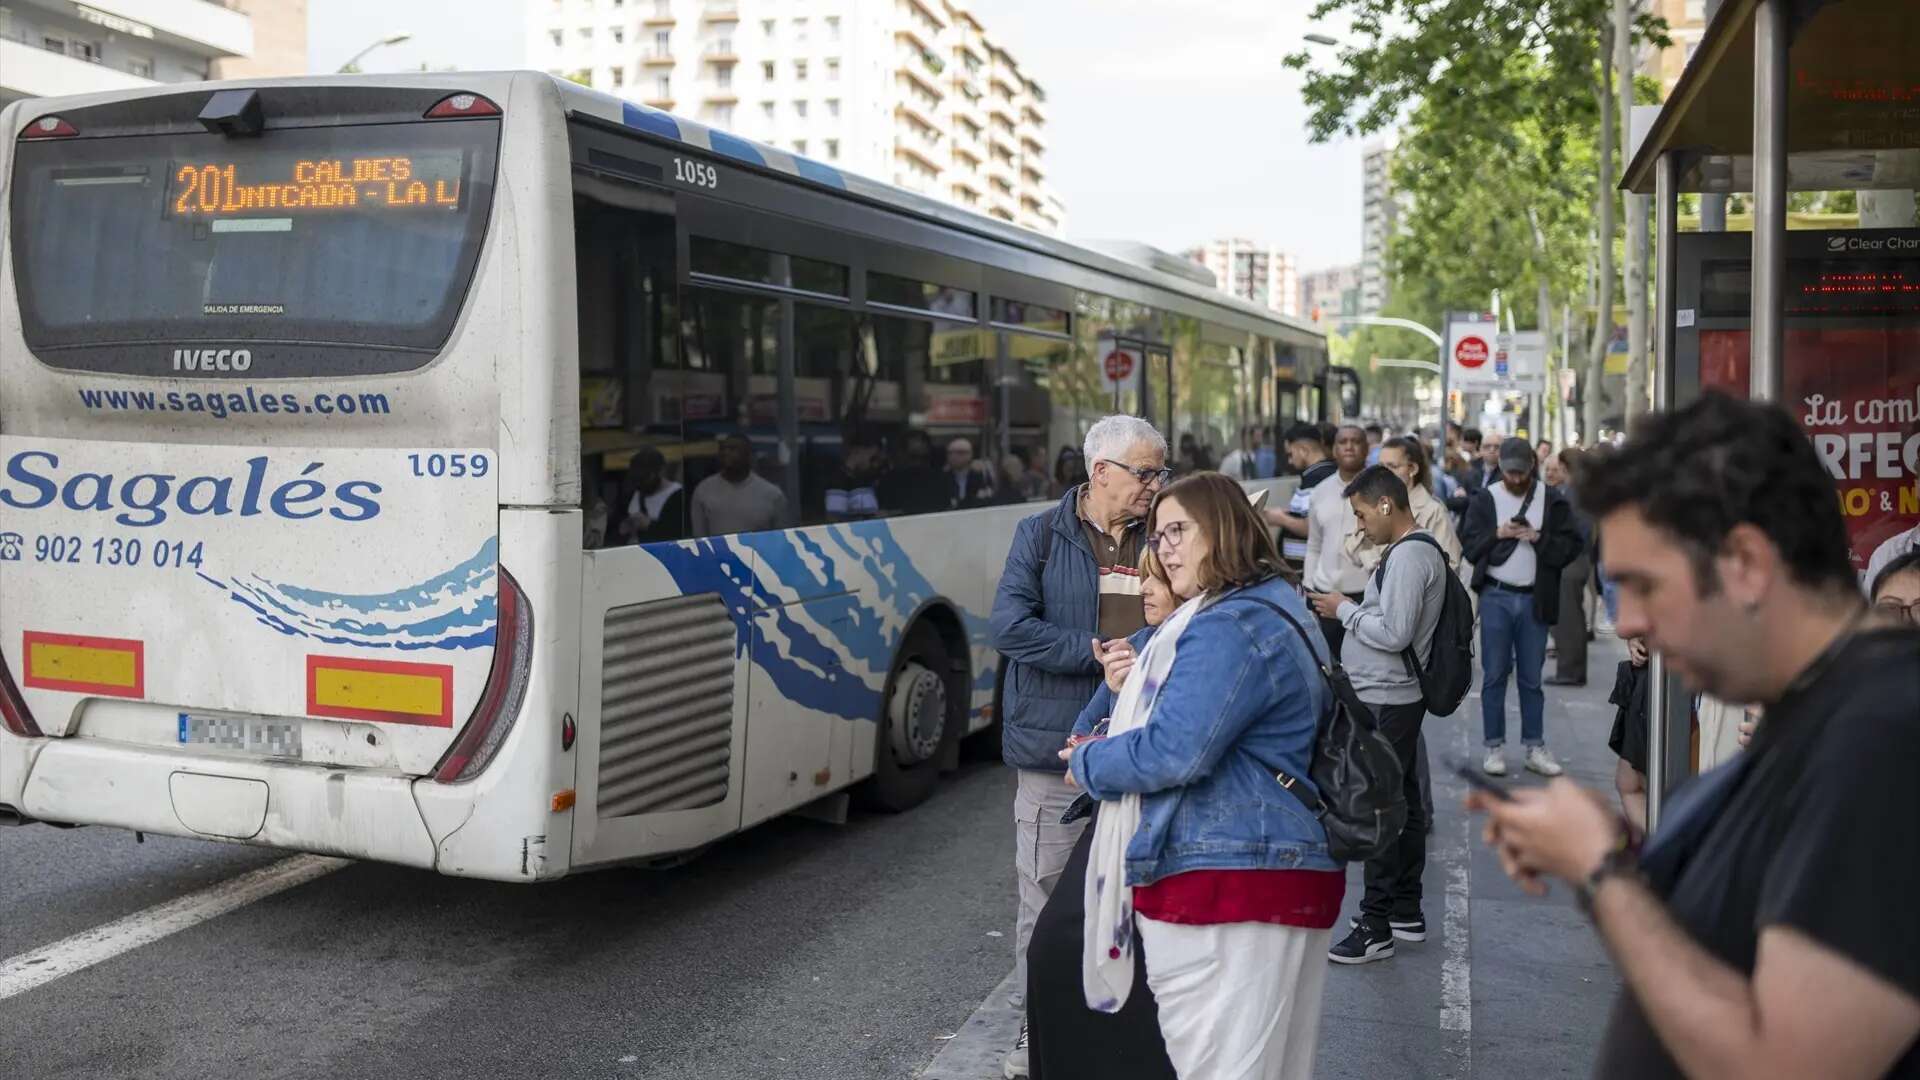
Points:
(1495, 103)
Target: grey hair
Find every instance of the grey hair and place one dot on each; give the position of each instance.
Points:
(1113, 436)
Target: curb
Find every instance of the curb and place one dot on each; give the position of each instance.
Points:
(976, 1051)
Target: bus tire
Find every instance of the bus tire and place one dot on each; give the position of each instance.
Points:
(920, 722)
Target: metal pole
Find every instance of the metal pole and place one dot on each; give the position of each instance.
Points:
(1669, 731)
(1446, 372)
(1769, 198)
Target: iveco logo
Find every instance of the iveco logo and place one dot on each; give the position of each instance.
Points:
(212, 359)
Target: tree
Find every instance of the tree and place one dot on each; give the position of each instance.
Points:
(1502, 102)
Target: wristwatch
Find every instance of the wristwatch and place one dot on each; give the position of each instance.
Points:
(1620, 862)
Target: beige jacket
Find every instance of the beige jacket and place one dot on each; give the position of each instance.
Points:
(1429, 514)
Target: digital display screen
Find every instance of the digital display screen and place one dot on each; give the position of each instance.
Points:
(1819, 288)
(288, 184)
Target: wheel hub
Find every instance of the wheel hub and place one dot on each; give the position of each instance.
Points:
(916, 714)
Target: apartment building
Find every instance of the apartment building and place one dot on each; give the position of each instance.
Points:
(279, 41)
(1379, 216)
(1259, 273)
(913, 92)
(50, 48)
(1686, 25)
(1328, 294)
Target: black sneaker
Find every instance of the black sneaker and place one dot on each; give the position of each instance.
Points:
(1364, 945)
(1409, 929)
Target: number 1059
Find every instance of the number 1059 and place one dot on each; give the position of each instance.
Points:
(449, 464)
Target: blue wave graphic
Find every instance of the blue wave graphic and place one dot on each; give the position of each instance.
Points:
(828, 615)
(457, 609)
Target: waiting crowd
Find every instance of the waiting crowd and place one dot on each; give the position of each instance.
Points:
(1208, 725)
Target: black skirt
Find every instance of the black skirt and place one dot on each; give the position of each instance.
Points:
(1632, 689)
(1066, 1039)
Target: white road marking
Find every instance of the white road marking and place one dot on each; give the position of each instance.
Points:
(89, 947)
(1456, 971)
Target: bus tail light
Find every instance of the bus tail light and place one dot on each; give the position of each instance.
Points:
(13, 708)
(49, 127)
(456, 106)
(506, 689)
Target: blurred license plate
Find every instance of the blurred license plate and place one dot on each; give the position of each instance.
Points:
(249, 734)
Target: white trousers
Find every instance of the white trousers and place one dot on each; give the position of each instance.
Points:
(1238, 1001)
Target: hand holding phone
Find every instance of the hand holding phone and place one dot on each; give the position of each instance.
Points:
(1480, 781)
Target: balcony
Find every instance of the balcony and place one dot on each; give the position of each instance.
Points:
(656, 58)
(720, 52)
(34, 72)
(913, 35)
(661, 15)
(912, 70)
(1032, 140)
(962, 177)
(208, 29)
(916, 113)
(721, 11)
(920, 150)
(665, 104)
(1001, 107)
(997, 136)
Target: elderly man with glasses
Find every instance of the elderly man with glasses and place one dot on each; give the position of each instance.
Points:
(1070, 594)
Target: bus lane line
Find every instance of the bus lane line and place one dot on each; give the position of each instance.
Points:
(80, 951)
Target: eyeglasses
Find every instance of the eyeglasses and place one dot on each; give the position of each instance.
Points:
(1142, 473)
(1174, 535)
(1898, 610)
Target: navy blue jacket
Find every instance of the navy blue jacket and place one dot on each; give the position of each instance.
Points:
(1044, 620)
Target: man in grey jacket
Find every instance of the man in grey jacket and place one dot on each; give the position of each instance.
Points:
(1071, 585)
(1399, 611)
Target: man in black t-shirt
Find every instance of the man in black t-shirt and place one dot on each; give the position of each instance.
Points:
(1764, 930)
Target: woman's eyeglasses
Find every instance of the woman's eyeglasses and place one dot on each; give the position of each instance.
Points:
(1142, 473)
(1170, 537)
(1898, 610)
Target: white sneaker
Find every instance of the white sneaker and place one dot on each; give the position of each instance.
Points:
(1015, 1067)
(1542, 762)
(1496, 763)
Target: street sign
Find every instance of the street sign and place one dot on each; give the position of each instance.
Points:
(1484, 359)
(1470, 354)
(1117, 363)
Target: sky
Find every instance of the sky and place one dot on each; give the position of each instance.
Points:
(1171, 123)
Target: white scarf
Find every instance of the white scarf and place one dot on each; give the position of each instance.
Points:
(1106, 932)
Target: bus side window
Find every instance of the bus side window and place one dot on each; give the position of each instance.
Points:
(631, 392)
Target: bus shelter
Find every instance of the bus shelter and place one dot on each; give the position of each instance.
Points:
(1785, 96)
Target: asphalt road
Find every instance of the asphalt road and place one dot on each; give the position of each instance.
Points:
(798, 950)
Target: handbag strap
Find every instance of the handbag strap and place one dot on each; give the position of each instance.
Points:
(1287, 780)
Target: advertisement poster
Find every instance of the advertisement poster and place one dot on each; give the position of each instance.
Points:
(1856, 392)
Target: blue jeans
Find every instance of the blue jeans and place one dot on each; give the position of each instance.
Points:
(1609, 594)
(1513, 641)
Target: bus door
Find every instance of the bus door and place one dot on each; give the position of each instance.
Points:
(1159, 389)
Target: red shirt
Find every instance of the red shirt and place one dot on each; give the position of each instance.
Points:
(1304, 898)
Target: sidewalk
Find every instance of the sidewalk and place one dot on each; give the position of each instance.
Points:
(1506, 985)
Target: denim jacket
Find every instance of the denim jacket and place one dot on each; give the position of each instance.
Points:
(1243, 700)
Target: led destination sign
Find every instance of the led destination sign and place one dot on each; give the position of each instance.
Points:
(287, 184)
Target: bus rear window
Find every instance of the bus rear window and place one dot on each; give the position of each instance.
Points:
(339, 250)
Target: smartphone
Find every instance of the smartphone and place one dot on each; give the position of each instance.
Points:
(1480, 781)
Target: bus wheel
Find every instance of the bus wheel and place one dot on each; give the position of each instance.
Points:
(916, 725)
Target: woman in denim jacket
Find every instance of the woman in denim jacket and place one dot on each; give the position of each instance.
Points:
(1228, 873)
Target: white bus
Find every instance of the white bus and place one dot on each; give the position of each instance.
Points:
(340, 426)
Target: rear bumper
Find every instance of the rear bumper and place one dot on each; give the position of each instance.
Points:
(360, 815)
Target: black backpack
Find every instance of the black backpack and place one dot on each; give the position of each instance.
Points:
(1360, 801)
(1448, 672)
